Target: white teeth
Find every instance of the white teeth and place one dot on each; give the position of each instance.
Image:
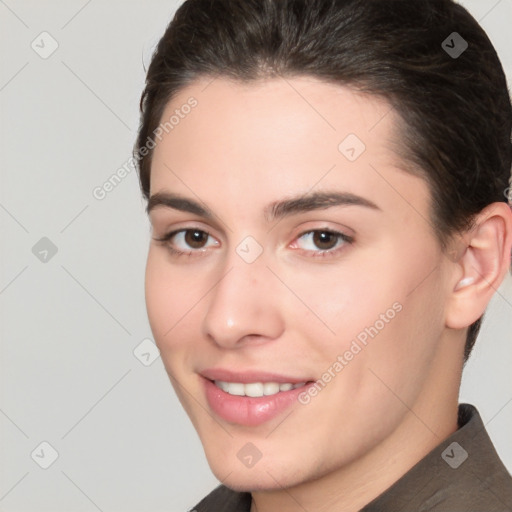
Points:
(255, 389)
(236, 388)
(222, 385)
(270, 388)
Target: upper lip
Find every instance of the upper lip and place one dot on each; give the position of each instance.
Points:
(248, 376)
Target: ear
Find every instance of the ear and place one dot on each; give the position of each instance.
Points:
(481, 268)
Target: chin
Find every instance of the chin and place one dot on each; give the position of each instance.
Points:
(251, 482)
(263, 476)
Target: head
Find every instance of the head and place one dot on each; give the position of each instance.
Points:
(254, 112)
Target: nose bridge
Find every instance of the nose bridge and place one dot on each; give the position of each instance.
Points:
(241, 303)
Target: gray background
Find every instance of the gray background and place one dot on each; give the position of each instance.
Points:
(70, 324)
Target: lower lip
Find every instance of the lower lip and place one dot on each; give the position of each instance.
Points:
(246, 410)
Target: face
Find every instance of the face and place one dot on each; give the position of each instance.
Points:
(305, 255)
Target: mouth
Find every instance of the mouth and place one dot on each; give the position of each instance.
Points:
(251, 398)
(257, 389)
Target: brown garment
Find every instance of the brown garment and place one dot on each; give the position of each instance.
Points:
(462, 474)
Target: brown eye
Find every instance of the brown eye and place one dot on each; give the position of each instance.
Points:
(187, 242)
(195, 238)
(325, 240)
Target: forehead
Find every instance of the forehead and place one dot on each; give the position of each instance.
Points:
(260, 140)
(276, 114)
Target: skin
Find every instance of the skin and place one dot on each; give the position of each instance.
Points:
(243, 147)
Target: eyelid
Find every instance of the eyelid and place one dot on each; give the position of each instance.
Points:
(341, 235)
(171, 234)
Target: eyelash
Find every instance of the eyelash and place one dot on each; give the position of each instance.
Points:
(319, 254)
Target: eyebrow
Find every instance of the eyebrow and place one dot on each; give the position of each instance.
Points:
(273, 211)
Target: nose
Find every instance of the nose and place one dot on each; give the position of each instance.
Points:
(243, 306)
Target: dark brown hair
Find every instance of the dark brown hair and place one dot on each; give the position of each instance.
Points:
(455, 110)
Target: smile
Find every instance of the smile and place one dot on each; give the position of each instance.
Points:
(253, 402)
(256, 389)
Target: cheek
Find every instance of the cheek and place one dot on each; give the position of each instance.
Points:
(346, 303)
(169, 296)
(169, 304)
(386, 311)
(407, 324)
(158, 301)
